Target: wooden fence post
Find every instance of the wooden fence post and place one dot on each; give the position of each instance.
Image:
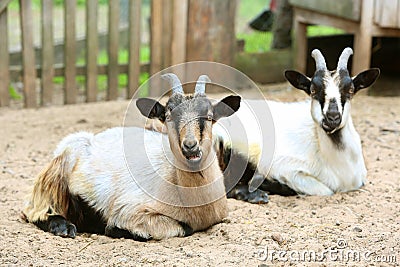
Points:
(179, 31)
(47, 73)
(211, 23)
(28, 54)
(92, 47)
(113, 36)
(70, 52)
(134, 47)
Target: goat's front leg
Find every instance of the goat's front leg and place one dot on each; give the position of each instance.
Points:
(146, 224)
(306, 184)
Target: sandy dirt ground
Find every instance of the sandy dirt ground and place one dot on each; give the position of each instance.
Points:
(357, 228)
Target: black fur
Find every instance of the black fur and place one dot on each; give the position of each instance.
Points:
(241, 192)
(337, 139)
(238, 172)
(85, 217)
(274, 187)
(57, 225)
(116, 232)
(186, 227)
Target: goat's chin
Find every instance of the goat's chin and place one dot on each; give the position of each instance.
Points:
(329, 129)
(195, 158)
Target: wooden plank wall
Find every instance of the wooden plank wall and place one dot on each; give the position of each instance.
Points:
(387, 13)
(46, 69)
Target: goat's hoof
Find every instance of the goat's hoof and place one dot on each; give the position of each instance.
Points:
(258, 197)
(59, 226)
(116, 232)
(186, 228)
(241, 192)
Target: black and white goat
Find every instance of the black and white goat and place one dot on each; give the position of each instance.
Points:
(135, 183)
(317, 149)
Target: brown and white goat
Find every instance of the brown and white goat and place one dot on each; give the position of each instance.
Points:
(134, 183)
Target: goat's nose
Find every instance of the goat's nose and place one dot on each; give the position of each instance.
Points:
(333, 117)
(190, 144)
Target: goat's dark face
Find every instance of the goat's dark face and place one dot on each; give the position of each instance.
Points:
(188, 120)
(331, 91)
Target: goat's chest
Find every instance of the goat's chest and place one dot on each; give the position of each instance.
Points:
(342, 171)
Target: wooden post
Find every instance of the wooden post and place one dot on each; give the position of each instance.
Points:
(28, 54)
(179, 31)
(211, 31)
(70, 52)
(113, 40)
(92, 47)
(363, 38)
(156, 44)
(299, 44)
(47, 73)
(156, 36)
(134, 47)
(4, 62)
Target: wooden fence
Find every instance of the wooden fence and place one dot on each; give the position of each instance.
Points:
(47, 70)
(170, 44)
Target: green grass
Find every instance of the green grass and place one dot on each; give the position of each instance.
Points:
(14, 94)
(259, 42)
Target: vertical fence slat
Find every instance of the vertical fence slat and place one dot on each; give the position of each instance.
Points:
(156, 39)
(70, 51)
(156, 36)
(28, 53)
(4, 62)
(167, 36)
(47, 52)
(134, 47)
(92, 47)
(179, 30)
(113, 36)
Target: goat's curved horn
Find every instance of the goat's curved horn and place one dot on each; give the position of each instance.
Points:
(201, 84)
(344, 58)
(319, 60)
(174, 81)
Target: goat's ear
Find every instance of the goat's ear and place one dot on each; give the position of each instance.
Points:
(298, 80)
(365, 79)
(226, 107)
(151, 108)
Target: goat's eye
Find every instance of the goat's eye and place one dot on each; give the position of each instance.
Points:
(168, 117)
(312, 91)
(351, 90)
(209, 117)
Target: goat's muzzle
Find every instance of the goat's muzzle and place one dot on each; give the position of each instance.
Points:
(191, 150)
(331, 121)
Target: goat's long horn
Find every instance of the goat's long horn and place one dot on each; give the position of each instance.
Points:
(201, 84)
(319, 60)
(344, 58)
(174, 82)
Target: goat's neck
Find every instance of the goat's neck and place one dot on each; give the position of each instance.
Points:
(203, 177)
(338, 141)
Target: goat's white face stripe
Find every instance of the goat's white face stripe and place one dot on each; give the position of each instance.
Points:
(332, 92)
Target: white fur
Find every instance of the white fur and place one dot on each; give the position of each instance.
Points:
(305, 158)
(331, 92)
(101, 175)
